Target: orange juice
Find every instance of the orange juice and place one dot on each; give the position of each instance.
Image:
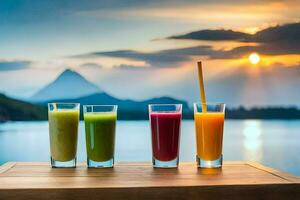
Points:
(209, 134)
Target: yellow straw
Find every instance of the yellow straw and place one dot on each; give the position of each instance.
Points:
(201, 83)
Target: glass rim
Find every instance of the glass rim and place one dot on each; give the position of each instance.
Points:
(90, 108)
(221, 105)
(100, 106)
(209, 103)
(59, 107)
(178, 108)
(67, 103)
(169, 104)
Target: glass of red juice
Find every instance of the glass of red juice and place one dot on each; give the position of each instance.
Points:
(165, 121)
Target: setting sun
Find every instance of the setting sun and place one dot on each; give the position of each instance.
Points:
(254, 58)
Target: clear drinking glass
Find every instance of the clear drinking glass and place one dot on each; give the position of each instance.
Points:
(63, 132)
(165, 121)
(100, 127)
(209, 124)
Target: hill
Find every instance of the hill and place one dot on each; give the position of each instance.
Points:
(16, 110)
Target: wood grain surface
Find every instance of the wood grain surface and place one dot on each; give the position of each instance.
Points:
(236, 180)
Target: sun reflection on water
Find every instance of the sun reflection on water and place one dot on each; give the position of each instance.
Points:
(252, 141)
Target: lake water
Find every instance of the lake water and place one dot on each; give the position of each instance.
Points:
(273, 143)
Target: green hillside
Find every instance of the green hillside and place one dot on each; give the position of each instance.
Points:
(16, 110)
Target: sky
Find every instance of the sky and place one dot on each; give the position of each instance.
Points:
(142, 49)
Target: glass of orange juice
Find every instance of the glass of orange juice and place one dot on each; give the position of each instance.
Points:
(209, 124)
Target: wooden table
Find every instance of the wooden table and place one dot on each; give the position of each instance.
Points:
(236, 180)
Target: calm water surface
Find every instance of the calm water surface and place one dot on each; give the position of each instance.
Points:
(272, 143)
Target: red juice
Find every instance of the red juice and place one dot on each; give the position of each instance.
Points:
(165, 128)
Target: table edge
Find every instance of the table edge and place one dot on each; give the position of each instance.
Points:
(284, 175)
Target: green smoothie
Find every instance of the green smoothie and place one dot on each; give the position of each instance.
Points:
(100, 135)
(63, 130)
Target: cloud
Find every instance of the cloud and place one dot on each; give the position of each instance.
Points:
(13, 65)
(164, 58)
(28, 11)
(278, 40)
(214, 35)
(175, 57)
(91, 65)
(279, 48)
(284, 33)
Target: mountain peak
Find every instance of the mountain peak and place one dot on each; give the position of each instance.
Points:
(69, 71)
(68, 84)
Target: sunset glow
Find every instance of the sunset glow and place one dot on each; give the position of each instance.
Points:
(254, 58)
(157, 45)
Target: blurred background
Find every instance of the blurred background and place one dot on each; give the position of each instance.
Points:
(133, 53)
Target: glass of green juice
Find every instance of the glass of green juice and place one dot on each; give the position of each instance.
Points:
(100, 132)
(63, 131)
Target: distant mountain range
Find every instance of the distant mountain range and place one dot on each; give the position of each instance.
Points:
(72, 87)
(16, 110)
(68, 84)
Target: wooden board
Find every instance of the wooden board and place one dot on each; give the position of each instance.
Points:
(236, 180)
